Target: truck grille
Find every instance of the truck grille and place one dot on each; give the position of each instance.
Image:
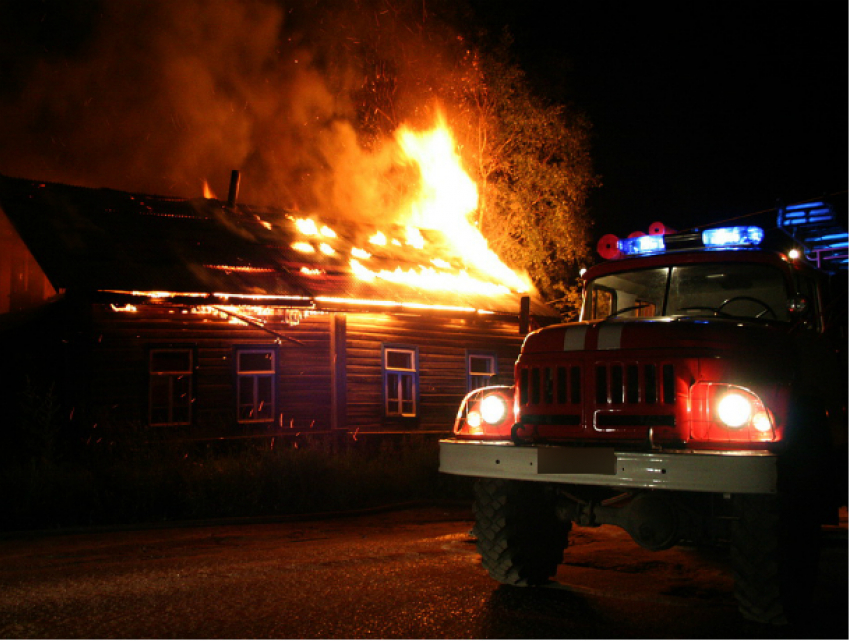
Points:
(615, 383)
(607, 394)
(548, 385)
(634, 383)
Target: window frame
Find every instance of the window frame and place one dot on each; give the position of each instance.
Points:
(172, 376)
(470, 375)
(403, 373)
(256, 375)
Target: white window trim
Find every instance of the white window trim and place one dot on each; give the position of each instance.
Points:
(470, 374)
(403, 372)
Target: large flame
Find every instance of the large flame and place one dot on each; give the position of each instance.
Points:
(444, 199)
(448, 197)
(447, 194)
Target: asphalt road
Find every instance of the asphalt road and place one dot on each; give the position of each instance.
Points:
(405, 574)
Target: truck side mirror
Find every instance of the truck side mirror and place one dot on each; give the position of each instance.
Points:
(798, 305)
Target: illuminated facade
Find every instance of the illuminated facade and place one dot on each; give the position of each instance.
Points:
(198, 318)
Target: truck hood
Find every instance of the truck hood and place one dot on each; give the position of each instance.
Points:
(688, 336)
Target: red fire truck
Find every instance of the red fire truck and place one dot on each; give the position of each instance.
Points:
(700, 398)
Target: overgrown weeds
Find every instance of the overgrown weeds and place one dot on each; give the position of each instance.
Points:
(131, 481)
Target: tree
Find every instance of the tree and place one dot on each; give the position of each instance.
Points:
(535, 173)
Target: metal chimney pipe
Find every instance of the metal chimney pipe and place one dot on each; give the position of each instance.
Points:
(233, 192)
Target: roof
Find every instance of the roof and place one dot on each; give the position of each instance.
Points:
(111, 242)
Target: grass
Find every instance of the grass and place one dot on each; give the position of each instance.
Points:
(52, 475)
(137, 482)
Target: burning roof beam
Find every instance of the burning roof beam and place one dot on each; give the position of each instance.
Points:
(254, 322)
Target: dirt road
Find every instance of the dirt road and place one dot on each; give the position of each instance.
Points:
(404, 574)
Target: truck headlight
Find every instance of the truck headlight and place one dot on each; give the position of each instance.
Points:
(721, 412)
(486, 413)
(734, 410)
(493, 409)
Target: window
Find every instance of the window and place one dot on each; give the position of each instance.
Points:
(741, 290)
(602, 300)
(401, 380)
(627, 294)
(255, 384)
(170, 386)
(480, 368)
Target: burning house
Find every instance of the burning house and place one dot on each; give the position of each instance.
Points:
(206, 318)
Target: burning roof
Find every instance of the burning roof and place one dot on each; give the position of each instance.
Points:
(119, 244)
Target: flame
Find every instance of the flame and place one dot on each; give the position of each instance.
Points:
(304, 248)
(414, 238)
(307, 226)
(208, 193)
(448, 197)
(247, 269)
(310, 227)
(444, 199)
(430, 278)
(378, 239)
(447, 193)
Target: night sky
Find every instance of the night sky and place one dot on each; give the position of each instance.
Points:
(702, 111)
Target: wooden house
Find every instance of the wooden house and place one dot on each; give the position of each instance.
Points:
(214, 319)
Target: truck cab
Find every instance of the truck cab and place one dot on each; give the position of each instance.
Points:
(701, 398)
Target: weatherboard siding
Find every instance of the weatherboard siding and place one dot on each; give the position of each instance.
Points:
(442, 343)
(119, 375)
(117, 368)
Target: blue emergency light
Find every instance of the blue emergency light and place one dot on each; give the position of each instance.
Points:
(641, 245)
(719, 238)
(733, 237)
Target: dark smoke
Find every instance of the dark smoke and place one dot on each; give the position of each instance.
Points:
(159, 95)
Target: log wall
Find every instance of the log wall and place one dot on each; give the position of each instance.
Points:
(329, 366)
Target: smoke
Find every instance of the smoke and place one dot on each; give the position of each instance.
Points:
(157, 96)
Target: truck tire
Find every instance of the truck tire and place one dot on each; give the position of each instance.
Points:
(774, 554)
(519, 537)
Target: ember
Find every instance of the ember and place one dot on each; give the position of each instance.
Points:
(247, 269)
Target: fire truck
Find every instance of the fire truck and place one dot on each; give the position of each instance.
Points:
(700, 399)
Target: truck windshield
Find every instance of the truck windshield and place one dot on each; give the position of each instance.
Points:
(723, 290)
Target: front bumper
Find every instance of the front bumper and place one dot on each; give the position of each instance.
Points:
(745, 472)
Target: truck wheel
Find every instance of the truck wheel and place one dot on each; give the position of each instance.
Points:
(520, 539)
(774, 559)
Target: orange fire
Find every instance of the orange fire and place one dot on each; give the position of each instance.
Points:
(208, 193)
(448, 197)
(444, 200)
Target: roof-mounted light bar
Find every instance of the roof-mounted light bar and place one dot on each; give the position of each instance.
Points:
(641, 245)
(733, 237)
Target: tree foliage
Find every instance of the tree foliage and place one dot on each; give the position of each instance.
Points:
(535, 173)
